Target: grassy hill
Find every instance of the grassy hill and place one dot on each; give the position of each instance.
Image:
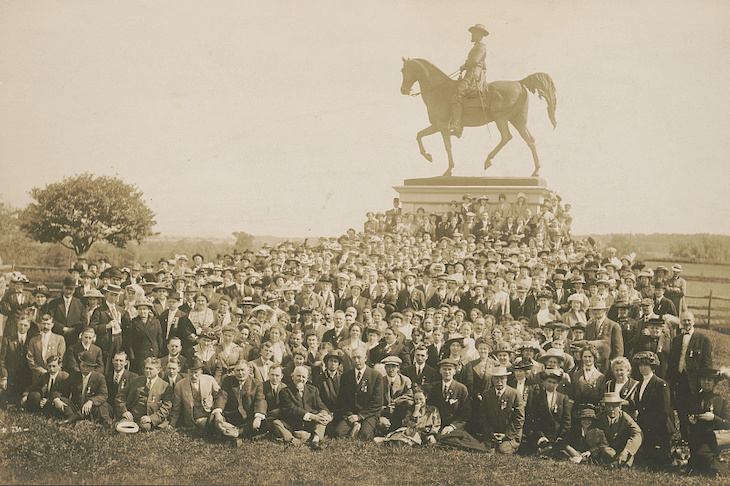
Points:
(87, 453)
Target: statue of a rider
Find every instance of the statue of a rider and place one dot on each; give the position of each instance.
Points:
(473, 79)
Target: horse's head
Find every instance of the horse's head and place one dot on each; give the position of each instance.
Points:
(412, 72)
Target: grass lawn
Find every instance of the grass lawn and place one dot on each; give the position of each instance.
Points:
(87, 453)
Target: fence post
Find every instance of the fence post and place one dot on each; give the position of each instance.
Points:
(709, 310)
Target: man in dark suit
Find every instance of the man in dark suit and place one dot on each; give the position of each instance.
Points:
(655, 415)
(338, 333)
(83, 345)
(239, 289)
(356, 300)
(440, 294)
(69, 313)
(560, 294)
(691, 351)
(171, 320)
(604, 334)
(360, 400)
(171, 373)
(85, 394)
(501, 414)
(107, 323)
(146, 400)
(450, 397)
(548, 414)
(524, 304)
(411, 297)
(174, 350)
(710, 412)
(240, 407)
(341, 291)
(43, 392)
(13, 303)
(419, 372)
(302, 411)
(655, 340)
(143, 336)
(118, 377)
(272, 393)
(15, 372)
(390, 346)
(622, 433)
(662, 305)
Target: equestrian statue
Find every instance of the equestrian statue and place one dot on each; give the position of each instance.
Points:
(471, 101)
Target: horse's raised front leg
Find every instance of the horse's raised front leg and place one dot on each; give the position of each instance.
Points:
(446, 134)
(503, 128)
(424, 133)
(527, 136)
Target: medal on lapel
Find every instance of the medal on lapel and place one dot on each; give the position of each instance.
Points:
(364, 386)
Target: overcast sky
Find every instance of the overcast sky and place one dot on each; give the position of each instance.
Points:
(285, 118)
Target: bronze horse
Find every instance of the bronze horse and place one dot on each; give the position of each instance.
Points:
(506, 103)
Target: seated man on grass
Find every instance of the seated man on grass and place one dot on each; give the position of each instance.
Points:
(147, 399)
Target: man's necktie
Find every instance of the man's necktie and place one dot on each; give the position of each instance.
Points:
(359, 376)
(683, 355)
(83, 389)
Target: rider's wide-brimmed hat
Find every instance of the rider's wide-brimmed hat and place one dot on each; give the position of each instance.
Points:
(479, 29)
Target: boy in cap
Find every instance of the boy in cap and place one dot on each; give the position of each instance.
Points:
(398, 392)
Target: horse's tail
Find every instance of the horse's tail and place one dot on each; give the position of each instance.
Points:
(542, 85)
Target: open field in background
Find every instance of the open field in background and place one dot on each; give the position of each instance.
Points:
(701, 280)
(86, 453)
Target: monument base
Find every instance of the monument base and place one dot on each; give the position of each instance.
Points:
(434, 194)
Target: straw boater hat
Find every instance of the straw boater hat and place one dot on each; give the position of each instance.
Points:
(553, 353)
(613, 397)
(598, 304)
(500, 371)
(127, 427)
(93, 294)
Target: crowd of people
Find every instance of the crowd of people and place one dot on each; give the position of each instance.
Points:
(503, 336)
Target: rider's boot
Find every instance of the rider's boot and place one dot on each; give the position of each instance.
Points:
(456, 126)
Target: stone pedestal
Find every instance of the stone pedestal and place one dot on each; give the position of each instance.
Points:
(434, 194)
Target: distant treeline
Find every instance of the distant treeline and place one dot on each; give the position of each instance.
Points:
(697, 248)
